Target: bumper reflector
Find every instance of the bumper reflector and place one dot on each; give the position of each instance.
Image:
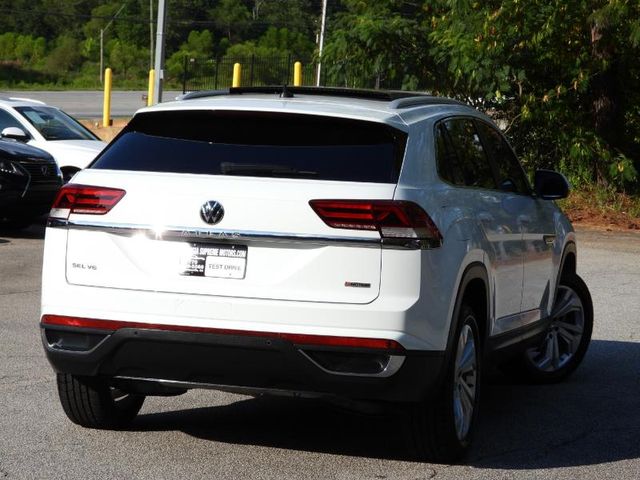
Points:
(296, 338)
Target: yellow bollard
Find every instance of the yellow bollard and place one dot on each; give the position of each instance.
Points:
(237, 75)
(106, 106)
(152, 79)
(297, 74)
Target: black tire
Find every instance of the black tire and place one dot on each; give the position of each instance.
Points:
(529, 366)
(91, 403)
(436, 437)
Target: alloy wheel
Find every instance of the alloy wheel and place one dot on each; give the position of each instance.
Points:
(564, 334)
(465, 382)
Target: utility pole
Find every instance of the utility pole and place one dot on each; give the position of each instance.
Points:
(159, 63)
(102, 30)
(321, 42)
(150, 34)
(101, 55)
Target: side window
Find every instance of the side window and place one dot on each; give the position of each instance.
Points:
(6, 120)
(511, 177)
(472, 160)
(446, 158)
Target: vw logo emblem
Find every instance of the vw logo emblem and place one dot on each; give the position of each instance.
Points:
(44, 169)
(211, 212)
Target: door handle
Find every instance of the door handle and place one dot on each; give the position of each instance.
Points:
(549, 239)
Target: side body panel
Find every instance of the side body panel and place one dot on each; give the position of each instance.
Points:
(454, 212)
(519, 239)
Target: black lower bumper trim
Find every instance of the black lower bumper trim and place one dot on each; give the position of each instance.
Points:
(238, 362)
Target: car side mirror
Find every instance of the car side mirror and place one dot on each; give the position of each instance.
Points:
(550, 185)
(14, 133)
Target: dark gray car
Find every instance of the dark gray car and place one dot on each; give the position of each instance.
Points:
(29, 181)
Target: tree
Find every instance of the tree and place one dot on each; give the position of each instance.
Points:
(551, 69)
(199, 47)
(378, 44)
(232, 16)
(123, 56)
(286, 42)
(65, 56)
(561, 75)
(8, 46)
(27, 49)
(295, 15)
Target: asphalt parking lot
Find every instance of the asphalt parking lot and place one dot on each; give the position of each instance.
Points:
(587, 428)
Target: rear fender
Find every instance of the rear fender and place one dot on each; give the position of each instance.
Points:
(474, 271)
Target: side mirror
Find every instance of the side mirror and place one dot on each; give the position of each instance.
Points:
(550, 185)
(14, 133)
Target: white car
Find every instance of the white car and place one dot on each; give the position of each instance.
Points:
(373, 246)
(30, 121)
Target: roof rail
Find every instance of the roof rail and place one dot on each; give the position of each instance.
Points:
(398, 99)
(202, 94)
(416, 101)
(383, 95)
(22, 99)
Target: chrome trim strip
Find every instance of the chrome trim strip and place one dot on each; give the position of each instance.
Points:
(511, 322)
(215, 236)
(393, 365)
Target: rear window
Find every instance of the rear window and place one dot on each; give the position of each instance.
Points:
(258, 144)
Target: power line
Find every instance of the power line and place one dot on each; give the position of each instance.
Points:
(55, 13)
(130, 19)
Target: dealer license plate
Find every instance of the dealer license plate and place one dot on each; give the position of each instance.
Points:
(218, 261)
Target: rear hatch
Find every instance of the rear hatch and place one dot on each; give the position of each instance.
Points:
(179, 169)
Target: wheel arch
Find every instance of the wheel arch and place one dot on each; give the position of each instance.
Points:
(569, 260)
(568, 266)
(473, 290)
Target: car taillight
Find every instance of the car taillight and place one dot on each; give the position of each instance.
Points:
(396, 220)
(84, 199)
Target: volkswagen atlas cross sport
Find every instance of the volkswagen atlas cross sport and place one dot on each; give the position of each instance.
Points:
(368, 246)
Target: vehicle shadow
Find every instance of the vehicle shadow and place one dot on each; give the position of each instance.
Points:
(592, 418)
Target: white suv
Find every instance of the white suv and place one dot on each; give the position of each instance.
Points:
(30, 121)
(376, 246)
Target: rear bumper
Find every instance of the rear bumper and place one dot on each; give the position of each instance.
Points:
(253, 363)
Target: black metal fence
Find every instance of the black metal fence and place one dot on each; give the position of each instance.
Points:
(256, 71)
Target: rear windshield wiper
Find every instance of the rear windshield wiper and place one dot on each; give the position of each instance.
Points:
(263, 170)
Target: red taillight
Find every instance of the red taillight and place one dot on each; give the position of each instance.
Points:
(295, 338)
(394, 219)
(85, 199)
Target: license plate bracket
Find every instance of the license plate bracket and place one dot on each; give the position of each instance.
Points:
(216, 261)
